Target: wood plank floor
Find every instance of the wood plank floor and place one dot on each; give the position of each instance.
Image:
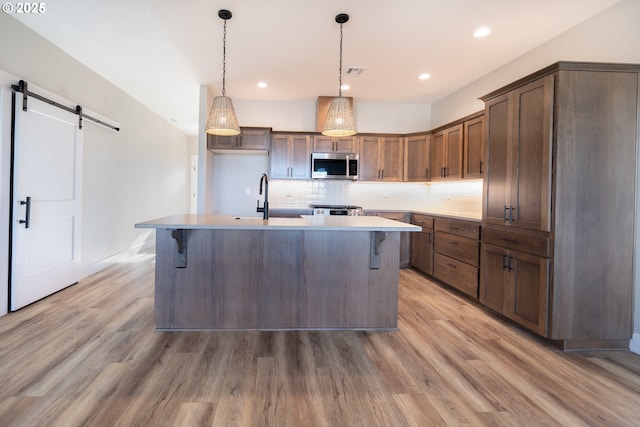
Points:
(88, 356)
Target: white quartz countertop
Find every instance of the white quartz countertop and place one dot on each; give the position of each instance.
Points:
(305, 222)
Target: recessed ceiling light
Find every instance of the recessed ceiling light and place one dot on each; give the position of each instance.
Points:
(262, 85)
(345, 87)
(481, 32)
(424, 76)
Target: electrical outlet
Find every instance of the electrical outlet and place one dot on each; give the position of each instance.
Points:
(247, 191)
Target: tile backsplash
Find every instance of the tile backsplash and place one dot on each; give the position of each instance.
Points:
(460, 198)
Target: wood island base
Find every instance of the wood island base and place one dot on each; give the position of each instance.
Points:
(238, 279)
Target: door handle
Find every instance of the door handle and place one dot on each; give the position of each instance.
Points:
(481, 165)
(26, 221)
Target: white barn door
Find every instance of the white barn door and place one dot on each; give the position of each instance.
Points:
(46, 205)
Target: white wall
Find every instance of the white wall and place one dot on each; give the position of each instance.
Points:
(611, 36)
(300, 116)
(234, 176)
(137, 174)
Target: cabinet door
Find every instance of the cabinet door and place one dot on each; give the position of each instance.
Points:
(279, 157)
(422, 251)
(254, 139)
(453, 153)
(368, 164)
(493, 277)
(438, 152)
(322, 144)
(499, 116)
(417, 158)
(300, 157)
(217, 142)
(392, 159)
(346, 145)
(527, 294)
(531, 161)
(473, 164)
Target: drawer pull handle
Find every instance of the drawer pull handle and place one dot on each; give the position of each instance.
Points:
(453, 242)
(452, 266)
(506, 262)
(506, 239)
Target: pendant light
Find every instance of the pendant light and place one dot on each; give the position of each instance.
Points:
(339, 120)
(222, 118)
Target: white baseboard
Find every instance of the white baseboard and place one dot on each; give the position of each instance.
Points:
(634, 345)
(94, 267)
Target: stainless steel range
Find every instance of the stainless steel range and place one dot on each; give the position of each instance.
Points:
(346, 210)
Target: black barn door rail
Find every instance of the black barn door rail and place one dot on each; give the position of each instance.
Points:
(23, 87)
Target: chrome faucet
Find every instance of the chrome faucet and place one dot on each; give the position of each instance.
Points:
(265, 207)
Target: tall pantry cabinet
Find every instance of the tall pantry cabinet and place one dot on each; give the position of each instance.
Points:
(559, 202)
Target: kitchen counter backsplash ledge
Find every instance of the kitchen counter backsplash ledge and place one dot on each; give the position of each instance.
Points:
(457, 199)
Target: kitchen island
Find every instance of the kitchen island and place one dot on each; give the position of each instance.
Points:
(225, 273)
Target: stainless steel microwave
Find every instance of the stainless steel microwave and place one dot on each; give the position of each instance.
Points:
(334, 166)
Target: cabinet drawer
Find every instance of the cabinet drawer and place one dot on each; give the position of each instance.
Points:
(397, 216)
(532, 242)
(467, 229)
(460, 248)
(426, 222)
(461, 276)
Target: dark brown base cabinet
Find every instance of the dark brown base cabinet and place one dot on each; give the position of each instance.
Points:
(448, 250)
(516, 284)
(456, 249)
(559, 203)
(422, 244)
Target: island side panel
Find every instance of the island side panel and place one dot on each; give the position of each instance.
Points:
(335, 271)
(251, 279)
(342, 290)
(282, 292)
(383, 283)
(219, 285)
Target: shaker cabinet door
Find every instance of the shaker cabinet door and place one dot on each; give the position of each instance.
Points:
(499, 114)
(531, 155)
(417, 158)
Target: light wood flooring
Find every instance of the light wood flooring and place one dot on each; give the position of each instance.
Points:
(89, 356)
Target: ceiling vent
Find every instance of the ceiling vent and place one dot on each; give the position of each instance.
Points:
(355, 70)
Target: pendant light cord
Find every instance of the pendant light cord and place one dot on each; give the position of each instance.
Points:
(340, 72)
(224, 58)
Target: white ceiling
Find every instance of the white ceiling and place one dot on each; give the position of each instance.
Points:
(161, 51)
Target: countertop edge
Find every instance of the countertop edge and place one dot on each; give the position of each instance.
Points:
(308, 223)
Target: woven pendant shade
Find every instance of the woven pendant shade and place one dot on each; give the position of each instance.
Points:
(339, 119)
(222, 118)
